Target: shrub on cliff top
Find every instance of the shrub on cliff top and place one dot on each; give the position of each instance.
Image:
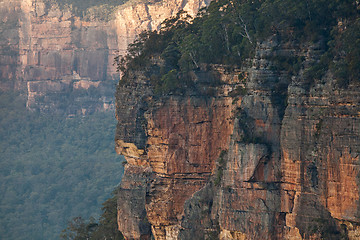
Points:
(90, 9)
(227, 32)
(106, 228)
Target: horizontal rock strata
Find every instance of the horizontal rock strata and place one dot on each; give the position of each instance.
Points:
(278, 160)
(52, 55)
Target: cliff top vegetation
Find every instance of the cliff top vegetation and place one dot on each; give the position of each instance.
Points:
(96, 9)
(90, 9)
(228, 31)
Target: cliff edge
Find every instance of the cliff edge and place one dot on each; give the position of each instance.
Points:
(63, 61)
(241, 167)
(256, 151)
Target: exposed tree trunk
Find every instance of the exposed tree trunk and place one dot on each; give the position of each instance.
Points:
(246, 35)
(226, 38)
(193, 59)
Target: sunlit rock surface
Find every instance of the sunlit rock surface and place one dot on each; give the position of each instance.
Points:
(60, 60)
(279, 160)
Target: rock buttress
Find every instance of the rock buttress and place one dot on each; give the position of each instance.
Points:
(52, 55)
(179, 137)
(277, 160)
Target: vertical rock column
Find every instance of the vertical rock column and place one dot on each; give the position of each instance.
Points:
(320, 145)
(178, 137)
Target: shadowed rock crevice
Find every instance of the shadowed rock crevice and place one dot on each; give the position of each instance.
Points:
(281, 176)
(264, 151)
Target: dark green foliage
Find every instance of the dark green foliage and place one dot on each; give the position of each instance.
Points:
(100, 9)
(79, 229)
(220, 168)
(52, 169)
(346, 47)
(292, 65)
(183, 43)
(227, 33)
(239, 91)
(343, 53)
(168, 83)
(106, 228)
(317, 71)
(142, 53)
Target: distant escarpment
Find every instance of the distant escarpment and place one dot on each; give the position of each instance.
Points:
(261, 146)
(61, 53)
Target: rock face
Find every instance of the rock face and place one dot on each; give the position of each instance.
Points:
(61, 60)
(264, 155)
(133, 18)
(171, 137)
(61, 54)
(9, 43)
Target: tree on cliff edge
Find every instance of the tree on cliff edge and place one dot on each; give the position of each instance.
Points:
(106, 229)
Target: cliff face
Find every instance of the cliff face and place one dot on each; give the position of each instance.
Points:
(59, 59)
(170, 138)
(9, 43)
(133, 18)
(265, 154)
(56, 59)
(60, 56)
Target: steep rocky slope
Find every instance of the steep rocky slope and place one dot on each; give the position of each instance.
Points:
(250, 153)
(61, 60)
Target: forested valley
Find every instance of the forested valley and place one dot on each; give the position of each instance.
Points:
(57, 171)
(53, 169)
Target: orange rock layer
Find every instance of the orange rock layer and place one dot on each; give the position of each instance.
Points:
(43, 44)
(257, 166)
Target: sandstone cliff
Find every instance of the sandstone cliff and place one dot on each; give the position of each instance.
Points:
(134, 17)
(63, 61)
(9, 43)
(263, 155)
